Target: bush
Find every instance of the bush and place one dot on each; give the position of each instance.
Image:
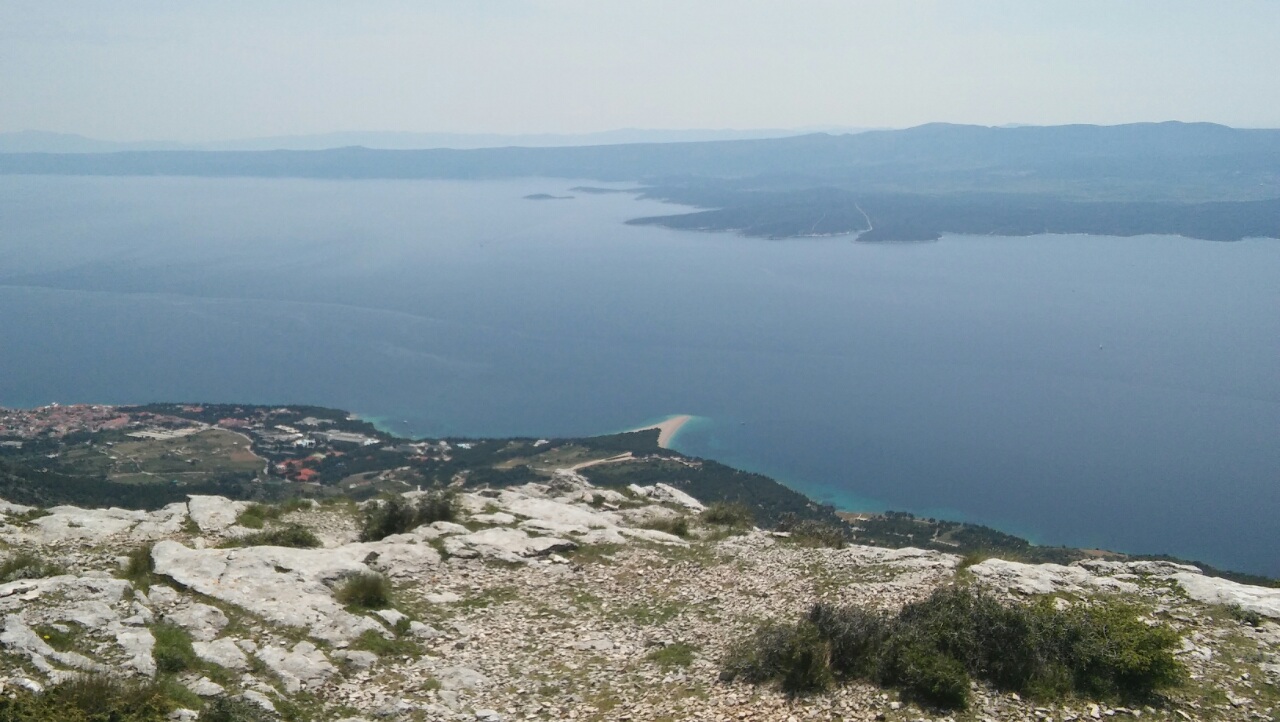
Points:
(88, 698)
(795, 656)
(731, 514)
(140, 566)
(398, 515)
(678, 654)
(25, 565)
(173, 651)
(932, 648)
(373, 641)
(365, 590)
(677, 525)
(813, 533)
(226, 709)
(255, 516)
(295, 536)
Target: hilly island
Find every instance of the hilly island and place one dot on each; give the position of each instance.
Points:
(246, 562)
(1198, 180)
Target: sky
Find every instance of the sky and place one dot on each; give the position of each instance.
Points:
(205, 70)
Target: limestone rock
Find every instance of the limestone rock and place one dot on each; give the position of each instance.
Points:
(203, 621)
(1213, 590)
(510, 545)
(1044, 578)
(214, 513)
(282, 585)
(222, 652)
(304, 666)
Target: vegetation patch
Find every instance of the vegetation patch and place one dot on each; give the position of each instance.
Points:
(293, 535)
(676, 525)
(814, 533)
(173, 651)
(398, 515)
(140, 567)
(933, 648)
(679, 654)
(226, 709)
(25, 565)
(732, 514)
(89, 698)
(373, 641)
(365, 590)
(60, 637)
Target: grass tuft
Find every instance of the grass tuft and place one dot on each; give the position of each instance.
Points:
(26, 565)
(89, 698)
(731, 514)
(679, 654)
(173, 651)
(366, 590)
(295, 536)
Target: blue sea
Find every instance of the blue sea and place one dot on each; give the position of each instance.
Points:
(1113, 392)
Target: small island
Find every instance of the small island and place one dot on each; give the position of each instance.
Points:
(546, 197)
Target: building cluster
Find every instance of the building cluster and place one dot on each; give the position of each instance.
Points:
(57, 420)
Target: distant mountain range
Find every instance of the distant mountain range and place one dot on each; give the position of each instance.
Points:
(1195, 179)
(36, 141)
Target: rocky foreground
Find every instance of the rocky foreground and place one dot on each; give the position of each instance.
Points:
(544, 602)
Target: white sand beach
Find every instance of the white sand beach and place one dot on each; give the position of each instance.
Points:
(667, 429)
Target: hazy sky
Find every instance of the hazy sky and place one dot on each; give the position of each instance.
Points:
(206, 70)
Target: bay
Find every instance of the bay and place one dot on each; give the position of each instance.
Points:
(1112, 392)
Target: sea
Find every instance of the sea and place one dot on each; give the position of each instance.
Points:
(1121, 393)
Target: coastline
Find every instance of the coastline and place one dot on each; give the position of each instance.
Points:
(667, 428)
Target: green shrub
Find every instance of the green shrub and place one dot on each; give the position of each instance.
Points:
(813, 533)
(1112, 652)
(796, 656)
(255, 516)
(397, 515)
(295, 536)
(88, 698)
(173, 651)
(926, 674)
(373, 641)
(25, 565)
(226, 709)
(365, 590)
(731, 514)
(140, 566)
(678, 654)
(1245, 616)
(677, 525)
(932, 648)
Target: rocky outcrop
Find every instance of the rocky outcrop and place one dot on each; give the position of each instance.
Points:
(583, 604)
(285, 586)
(1212, 590)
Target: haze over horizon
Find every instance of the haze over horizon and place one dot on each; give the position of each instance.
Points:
(198, 73)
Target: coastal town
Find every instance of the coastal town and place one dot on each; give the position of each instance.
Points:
(286, 443)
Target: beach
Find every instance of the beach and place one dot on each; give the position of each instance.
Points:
(667, 429)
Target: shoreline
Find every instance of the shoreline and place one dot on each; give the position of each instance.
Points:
(667, 429)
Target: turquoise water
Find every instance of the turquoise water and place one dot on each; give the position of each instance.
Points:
(1122, 393)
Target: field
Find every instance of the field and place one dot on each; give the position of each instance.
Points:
(199, 457)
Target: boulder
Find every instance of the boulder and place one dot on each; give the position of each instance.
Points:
(1213, 590)
(222, 652)
(214, 513)
(203, 621)
(304, 666)
(286, 586)
(1045, 578)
